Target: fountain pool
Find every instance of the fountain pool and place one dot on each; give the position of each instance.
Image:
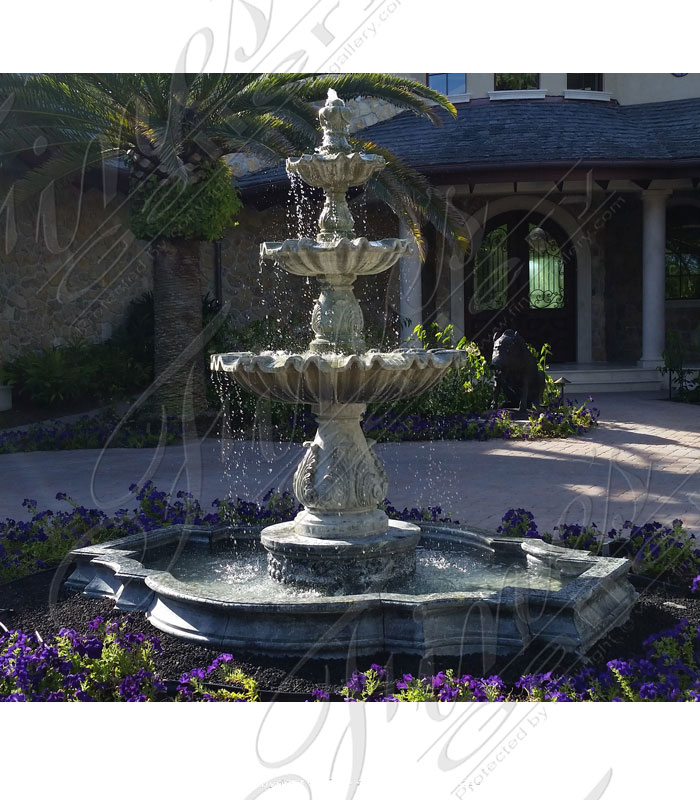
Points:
(469, 593)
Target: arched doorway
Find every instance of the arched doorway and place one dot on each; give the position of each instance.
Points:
(523, 276)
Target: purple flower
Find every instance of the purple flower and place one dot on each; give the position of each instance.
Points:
(623, 667)
(404, 682)
(92, 648)
(437, 680)
(447, 693)
(357, 682)
(648, 691)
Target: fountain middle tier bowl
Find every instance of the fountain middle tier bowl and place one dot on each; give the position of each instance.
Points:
(328, 378)
(359, 256)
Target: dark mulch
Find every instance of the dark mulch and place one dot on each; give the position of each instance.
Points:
(35, 603)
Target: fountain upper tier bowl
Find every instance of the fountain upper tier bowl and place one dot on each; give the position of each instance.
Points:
(359, 256)
(330, 378)
(338, 170)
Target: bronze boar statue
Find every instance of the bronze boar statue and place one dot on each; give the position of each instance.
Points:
(516, 372)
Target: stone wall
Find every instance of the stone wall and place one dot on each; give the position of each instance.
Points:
(74, 274)
(622, 241)
(68, 269)
(77, 280)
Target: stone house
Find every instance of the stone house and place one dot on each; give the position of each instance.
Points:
(579, 194)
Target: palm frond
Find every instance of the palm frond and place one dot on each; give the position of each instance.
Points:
(400, 92)
(61, 106)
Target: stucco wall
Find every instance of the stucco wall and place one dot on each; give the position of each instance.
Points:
(626, 88)
(631, 88)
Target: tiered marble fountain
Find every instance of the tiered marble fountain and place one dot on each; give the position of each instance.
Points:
(343, 578)
(341, 539)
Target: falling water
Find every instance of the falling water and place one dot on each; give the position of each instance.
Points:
(301, 223)
(359, 211)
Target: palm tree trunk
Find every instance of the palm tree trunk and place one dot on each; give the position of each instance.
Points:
(177, 302)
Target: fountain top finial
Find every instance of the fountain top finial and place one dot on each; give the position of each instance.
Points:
(334, 116)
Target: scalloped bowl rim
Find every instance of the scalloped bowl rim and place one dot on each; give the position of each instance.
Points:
(359, 243)
(276, 361)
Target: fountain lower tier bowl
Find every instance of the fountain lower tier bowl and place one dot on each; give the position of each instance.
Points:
(338, 379)
(469, 593)
(346, 257)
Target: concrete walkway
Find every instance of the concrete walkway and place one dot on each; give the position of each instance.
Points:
(642, 463)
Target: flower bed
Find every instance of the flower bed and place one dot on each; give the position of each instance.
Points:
(668, 670)
(91, 431)
(107, 429)
(112, 663)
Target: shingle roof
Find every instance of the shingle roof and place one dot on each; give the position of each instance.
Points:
(552, 130)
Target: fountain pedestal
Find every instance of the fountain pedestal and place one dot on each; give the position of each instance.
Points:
(341, 538)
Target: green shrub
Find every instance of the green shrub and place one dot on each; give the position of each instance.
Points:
(463, 390)
(686, 388)
(55, 376)
(202, 210)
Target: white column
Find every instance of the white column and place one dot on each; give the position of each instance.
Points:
(411, 295)
(653, 277)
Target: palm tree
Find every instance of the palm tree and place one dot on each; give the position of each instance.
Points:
(173, 132)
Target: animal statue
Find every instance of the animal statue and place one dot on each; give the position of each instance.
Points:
(516, 372)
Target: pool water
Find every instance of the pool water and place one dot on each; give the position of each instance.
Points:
(241, 576)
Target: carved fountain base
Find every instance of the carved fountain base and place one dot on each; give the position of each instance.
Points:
(341, 540)
(341, 565)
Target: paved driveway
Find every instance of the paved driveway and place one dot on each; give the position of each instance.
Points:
(641, 463)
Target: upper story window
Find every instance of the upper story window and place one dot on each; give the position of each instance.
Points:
(448, 83)
(683, 253)
(515, 81)
(585, 81)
